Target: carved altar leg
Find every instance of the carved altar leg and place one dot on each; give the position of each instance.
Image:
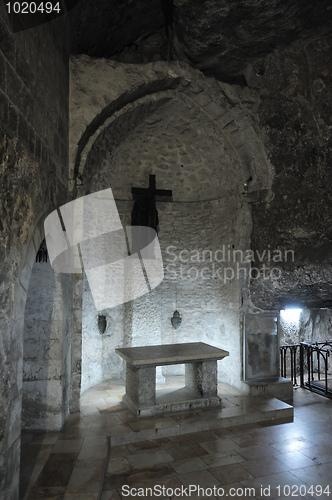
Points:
(202, 378)
(141, 385)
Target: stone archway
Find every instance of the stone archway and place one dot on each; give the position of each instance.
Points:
(13, 369)
(103, 90)
(12, 426)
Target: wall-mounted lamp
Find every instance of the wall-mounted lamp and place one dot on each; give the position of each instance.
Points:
(176, 320)
(102, 323)
(42, 252)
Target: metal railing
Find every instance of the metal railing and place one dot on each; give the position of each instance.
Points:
(308, 362)
(290, 362)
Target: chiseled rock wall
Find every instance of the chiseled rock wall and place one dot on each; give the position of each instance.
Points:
(313, 325)
(294, 91)
(33, 179)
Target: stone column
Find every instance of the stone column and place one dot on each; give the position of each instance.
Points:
(140, 386)
(47, 349)
(202, 378)
(76, 350)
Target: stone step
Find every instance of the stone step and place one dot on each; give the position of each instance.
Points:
(236, 410)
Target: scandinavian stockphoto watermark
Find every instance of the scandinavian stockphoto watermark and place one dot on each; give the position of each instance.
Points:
(225, 263)
(120, 263)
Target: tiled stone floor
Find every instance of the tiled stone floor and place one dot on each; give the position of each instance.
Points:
(239, 461)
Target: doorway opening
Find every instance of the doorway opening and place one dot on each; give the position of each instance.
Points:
(306, 349)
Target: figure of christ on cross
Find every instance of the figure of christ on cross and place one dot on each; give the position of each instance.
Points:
(145, 212)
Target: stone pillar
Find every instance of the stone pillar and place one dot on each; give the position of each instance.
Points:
(140, 385)
(76, 352)
(202, 378)
(261, 347)
(47, 348)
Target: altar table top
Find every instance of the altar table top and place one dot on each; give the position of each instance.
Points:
(171, 354)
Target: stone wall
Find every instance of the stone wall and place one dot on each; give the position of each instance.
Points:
(33, 179)
(292, 329)
(47, 350)
(196, 282)
(321, 321)
(99, 361)
(313, 325)
(76, 344)
(294, 92)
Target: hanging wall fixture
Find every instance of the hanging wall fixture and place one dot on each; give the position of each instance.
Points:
(42, 252)
(102, 323)
(176, 320)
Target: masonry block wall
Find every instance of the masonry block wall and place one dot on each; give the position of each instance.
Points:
(33, 179)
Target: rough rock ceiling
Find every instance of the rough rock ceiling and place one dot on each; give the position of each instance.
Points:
(103, 28)
(220, 37)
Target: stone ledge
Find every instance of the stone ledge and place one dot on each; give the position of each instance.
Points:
(281, 388)
(170, 402)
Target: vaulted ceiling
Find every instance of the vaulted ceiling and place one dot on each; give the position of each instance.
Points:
(219, 37)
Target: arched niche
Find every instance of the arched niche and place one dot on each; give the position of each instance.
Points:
(197, 139)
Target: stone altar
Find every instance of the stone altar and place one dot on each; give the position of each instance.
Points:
(201, 384)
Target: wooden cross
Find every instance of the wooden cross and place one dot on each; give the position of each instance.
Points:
(144, 212)
(158, 194)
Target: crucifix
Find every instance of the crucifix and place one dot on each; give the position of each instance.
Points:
(144, 212)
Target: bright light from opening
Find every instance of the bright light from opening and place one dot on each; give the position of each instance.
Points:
(291, 315)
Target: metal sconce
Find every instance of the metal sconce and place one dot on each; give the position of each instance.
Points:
(176, 320)
(42, 252)
(102, 323)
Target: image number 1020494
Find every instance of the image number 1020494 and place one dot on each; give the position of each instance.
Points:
(29, 14)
